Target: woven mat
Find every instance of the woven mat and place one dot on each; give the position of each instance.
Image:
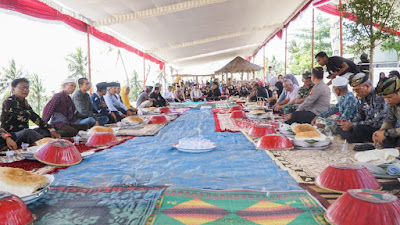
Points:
(195, 206)
(111, 205)
(326, 198)
(224, 123)
(40, 168)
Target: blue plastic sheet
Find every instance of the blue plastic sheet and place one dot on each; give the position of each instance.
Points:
(234, 164)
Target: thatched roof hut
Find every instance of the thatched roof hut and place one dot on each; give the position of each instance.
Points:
(239, 65)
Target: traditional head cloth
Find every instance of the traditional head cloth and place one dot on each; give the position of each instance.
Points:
(117, 84)
(306, 75)
(357, 79)
(388, 86)
(394, 73)
(339, 81)
(68, 80)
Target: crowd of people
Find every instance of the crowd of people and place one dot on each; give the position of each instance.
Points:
(368, 115)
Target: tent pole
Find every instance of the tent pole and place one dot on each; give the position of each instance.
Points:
(164, 78)
(264, 65)
(312, 40)
(144, 73)
(341, 29)
(89, 60)
(286, 49)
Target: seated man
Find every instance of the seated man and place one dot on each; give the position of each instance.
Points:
(125, 98)
(291, 93)
(371, 111)
(119, 109)
(196, 95)
(168, 94)
(179, 95)
(388, 136)
(316, 103)
(84, 109)
(159, 101)
(99, 105)
(144, 100)
(60, 109)
(215, 92)
(347, 106)
(302, 94)
(16, 113)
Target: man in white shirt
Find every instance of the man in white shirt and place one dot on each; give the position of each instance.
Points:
(196, 95)
(271, 76)
(168, 94)
(113, 104)
(291, 94)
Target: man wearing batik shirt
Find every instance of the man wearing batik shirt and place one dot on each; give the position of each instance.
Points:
(302, 94)
(347, 106)
(61, 109)
(371, 111)
(388, 135)
(16, 113)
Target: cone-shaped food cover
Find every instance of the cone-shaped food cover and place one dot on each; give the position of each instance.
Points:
(101, 139)
(364, 206)
(58, 152)
(259, 131)
(274, 142)
(158, 119)
(344, 176)
(237, 114)
(13, 210)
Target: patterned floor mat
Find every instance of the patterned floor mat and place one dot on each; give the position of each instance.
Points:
(196, 206)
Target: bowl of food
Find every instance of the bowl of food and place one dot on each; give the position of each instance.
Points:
(158, 120)
(345, 176)
(58, 152)
(99, 129)
(364, 206)
(274, 142)
(261, 130)
(237, 114)
(101, 139)
(132, 120)
(13, 210)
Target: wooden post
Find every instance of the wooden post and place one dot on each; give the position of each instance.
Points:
(312, 39)
(341, 29)
(144, 73)
(286, 50)
(89, 59)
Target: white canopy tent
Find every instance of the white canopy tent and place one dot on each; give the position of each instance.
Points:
(186, 33)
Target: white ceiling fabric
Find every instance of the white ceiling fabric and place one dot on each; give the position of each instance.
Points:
(186, 33)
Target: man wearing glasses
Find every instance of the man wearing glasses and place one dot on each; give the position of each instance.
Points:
(16, 113)
(370, 114)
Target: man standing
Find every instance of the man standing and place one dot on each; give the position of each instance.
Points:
(337, 66)
(84, 108)
(371, 111)
(271, 76)
(99, 105)
(196, 95)
(388, 135)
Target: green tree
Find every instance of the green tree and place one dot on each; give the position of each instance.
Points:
(37, 97)
(77, 64)
(300, 48)
(9, 74)
(136, 85)
(277, 66)
(392, 44)
(367, 14)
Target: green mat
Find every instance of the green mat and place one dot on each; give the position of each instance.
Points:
(195, 206)
(223, 105)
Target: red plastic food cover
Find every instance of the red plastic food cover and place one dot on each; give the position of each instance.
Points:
(235, 108)
(164, 110)
(274, 142)
(364, 206)
(158, 119)
(237, 114)
(13, 210)
(58, 152)
(101, 139)
(344, 176)
(259, 131)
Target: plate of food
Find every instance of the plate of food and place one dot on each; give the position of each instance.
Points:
(307, 137)
(151, 111)
(132, 121)
(26, 185)
(194, 145)
(260, 115)
(286, 130)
